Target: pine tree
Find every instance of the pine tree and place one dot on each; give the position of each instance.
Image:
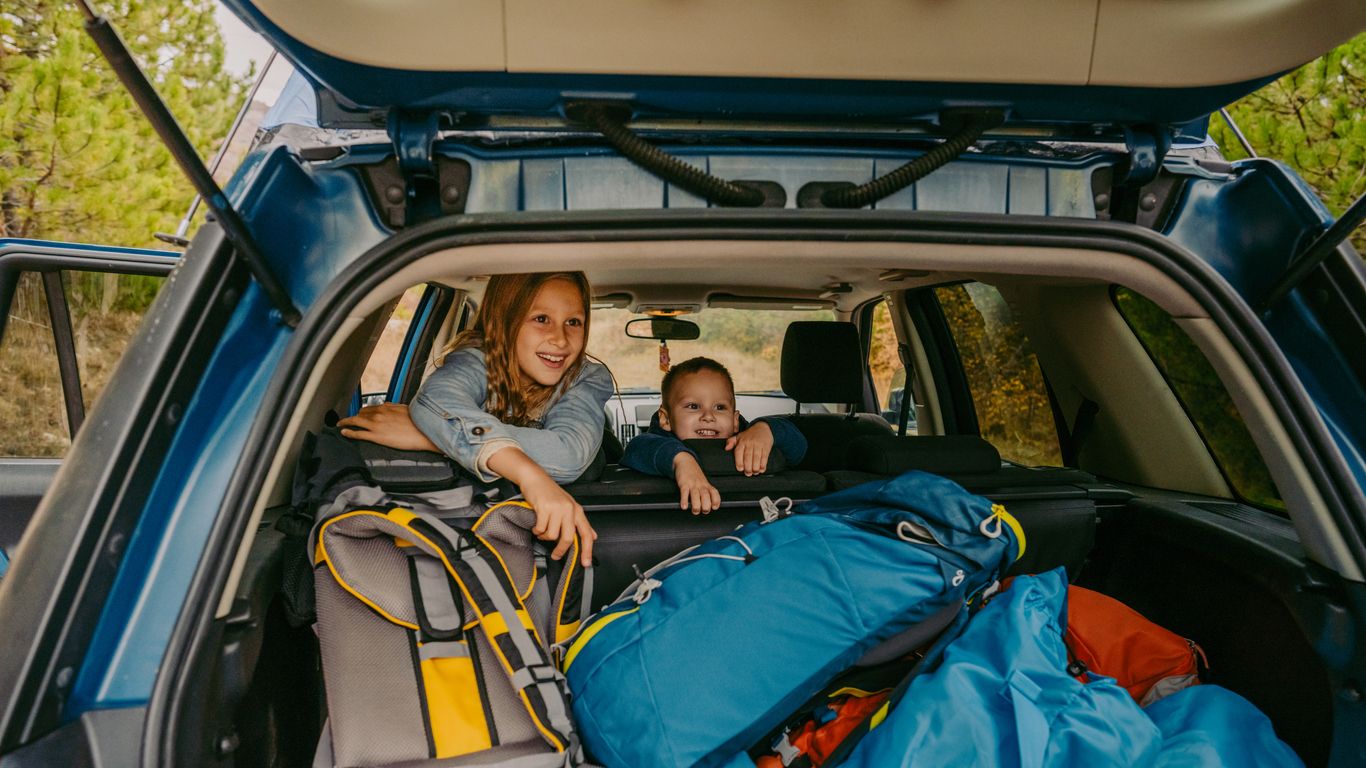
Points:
(78, 161)
(1313, 119)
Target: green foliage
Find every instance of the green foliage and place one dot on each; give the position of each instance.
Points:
(78, 161)
(1313, 119)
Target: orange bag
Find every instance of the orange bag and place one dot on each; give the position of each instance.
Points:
(812, 743)
(1112, 639)
(1109, 638)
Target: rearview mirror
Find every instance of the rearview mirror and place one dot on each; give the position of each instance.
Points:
(663, 329)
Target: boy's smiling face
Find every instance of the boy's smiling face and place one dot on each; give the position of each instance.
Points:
(701, 405)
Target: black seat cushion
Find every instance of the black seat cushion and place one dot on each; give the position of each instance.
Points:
(828, 436)
(619, 484)
(940, 454)
(716, 461)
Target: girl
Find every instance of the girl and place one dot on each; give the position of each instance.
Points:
(513, 397)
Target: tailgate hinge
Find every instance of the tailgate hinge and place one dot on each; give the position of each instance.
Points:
(416, 184)
(1147, 146)
(1135, 190)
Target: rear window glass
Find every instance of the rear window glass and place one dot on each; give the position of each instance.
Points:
(748, 342)
(1203, 396)
(1004, 377)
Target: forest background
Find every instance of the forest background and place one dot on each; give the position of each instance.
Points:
(79, 163)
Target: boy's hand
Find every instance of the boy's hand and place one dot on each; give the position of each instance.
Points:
(752, 448)
(558, 518)
(694, 491)
(388, 424)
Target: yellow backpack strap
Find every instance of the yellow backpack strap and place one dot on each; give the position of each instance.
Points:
(488, 590)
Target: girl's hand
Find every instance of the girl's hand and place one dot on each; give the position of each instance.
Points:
(752, 448)
(695, 492)
(387, 424)
(558, 518)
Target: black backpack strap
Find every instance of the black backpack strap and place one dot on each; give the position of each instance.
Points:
(931, 660)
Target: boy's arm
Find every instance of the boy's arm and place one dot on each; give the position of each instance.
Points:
(753, 445)
(653, 453)
(786, 438)
(664, 455)
(695, 491)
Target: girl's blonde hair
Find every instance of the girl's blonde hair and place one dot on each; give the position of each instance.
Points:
(512, 396)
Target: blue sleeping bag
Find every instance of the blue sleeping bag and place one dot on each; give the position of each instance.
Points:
(709, 653)
(1206, 726)
(1000, 695)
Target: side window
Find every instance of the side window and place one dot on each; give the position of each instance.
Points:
(890, 384)
(384, 359)
(64, 333)
(1203, 396)
(32, 411)
(1003, 375)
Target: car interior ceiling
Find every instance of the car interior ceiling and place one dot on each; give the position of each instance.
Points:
(1145, 515)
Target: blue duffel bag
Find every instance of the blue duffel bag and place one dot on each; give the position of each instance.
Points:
(712, 650)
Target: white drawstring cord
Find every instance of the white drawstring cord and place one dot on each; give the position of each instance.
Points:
(771, 509)
(989, 531)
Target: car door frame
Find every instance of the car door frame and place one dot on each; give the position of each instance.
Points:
(24, 479)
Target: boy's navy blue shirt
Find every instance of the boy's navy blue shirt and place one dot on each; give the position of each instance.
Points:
(653, 451)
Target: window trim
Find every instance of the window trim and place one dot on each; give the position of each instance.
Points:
(432, 308)
(957, 411)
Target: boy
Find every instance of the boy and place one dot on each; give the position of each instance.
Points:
(698, 401)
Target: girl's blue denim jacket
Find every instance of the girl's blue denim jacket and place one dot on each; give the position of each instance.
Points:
(449, 409)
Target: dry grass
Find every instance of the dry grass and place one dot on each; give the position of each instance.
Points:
(33, 420)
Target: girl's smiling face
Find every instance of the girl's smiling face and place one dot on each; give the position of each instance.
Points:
(551, 336)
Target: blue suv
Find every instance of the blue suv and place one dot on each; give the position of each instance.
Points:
(1155, 357)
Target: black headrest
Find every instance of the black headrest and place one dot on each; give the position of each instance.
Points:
(822, 362)
(940, 454)
(716, 461)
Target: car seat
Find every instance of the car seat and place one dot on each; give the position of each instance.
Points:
(823, 363)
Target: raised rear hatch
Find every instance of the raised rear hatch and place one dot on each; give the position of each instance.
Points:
(1070, 61)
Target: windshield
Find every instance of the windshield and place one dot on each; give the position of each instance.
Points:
(748, 342)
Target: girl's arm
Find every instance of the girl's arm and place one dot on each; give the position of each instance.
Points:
(558, 516)
(449, 411)
(571, 431)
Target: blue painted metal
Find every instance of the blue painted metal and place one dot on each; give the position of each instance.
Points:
(844, 101)
(21, 243)
(421, 318)
(317, 221)
(1249, 228)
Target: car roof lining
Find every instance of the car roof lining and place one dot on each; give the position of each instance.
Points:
(1013, 269)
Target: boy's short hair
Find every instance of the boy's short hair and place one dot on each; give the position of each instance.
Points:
(688, 367)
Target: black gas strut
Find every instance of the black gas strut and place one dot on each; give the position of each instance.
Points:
(111, 45)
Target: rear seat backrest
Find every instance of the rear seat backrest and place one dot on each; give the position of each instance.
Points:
(823, 363)
(1058, 517)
